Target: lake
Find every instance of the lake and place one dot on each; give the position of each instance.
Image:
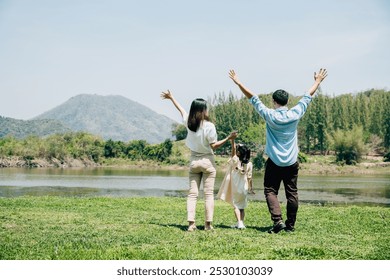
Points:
(120, 182)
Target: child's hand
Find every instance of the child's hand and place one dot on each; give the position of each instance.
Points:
(166, 95)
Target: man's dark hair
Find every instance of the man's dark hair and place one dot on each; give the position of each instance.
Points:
(280, 96)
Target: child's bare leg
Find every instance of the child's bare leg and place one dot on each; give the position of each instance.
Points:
(242, 214)
(237, 213)
(250, 186)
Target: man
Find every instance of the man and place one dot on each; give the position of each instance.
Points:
(281, 148)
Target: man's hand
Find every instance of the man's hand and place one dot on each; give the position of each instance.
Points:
(245, 91)
(321, 75)
(233, 76)
(166, 95)
(318, 78)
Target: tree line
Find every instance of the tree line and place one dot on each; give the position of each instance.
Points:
(348, 125)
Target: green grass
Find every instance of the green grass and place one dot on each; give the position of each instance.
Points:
(154, 228)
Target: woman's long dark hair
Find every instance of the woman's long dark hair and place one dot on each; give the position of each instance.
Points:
(198, 113)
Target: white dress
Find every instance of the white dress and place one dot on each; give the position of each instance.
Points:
(234, 187)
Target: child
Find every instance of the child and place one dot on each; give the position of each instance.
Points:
(234, 187)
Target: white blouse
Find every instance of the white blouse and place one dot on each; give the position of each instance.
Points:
(200, 140)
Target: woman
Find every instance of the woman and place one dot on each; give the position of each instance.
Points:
(201, 140)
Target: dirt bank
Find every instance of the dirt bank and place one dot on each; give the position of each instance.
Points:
(45, 163)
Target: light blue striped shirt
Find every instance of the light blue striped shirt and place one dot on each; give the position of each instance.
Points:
(281, 129)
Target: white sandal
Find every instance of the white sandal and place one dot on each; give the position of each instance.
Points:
(192, 228)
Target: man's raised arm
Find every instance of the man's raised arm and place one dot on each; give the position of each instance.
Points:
(244, 90)
(318, 78)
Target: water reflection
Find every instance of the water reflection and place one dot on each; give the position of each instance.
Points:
(141, 182)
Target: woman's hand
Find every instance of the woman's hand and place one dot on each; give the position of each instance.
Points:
(166, 95)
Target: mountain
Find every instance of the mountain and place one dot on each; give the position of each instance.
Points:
(21, 128)
(112, 117)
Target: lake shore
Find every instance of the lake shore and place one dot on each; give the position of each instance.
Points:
(364, 168)
(316, 165)
(321, 165)
(14, 162)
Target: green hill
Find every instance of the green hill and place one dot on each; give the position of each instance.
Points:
(112, 117)
(21, 128)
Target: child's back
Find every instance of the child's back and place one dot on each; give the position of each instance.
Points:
(234, 187)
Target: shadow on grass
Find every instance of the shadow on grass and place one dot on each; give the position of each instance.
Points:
(181, 227)
(219, 226)
(262, 229)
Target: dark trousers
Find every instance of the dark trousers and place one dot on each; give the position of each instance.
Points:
(273, 176)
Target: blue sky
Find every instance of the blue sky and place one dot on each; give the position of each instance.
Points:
(53, 50)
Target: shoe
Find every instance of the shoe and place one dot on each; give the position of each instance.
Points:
(208, 228)
(289, 226)
(192, 228)
(234, 226)
(278, 226)
(240, 225)
(289, 229)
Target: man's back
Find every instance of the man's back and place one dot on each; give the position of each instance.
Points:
(281, 130)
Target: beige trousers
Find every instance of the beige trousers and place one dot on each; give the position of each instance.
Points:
(202, 169)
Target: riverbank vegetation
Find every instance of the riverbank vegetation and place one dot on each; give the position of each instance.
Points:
(346, 128)
(61, 228)
(75, 149)
(85, 150)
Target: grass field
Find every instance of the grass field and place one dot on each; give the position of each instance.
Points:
(34, 228)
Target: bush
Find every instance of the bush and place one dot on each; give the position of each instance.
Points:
(348, 145)
(179, 131)
(114, 149)
(136, 149)
(159, 152)
(302, 157)
(259, 160)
